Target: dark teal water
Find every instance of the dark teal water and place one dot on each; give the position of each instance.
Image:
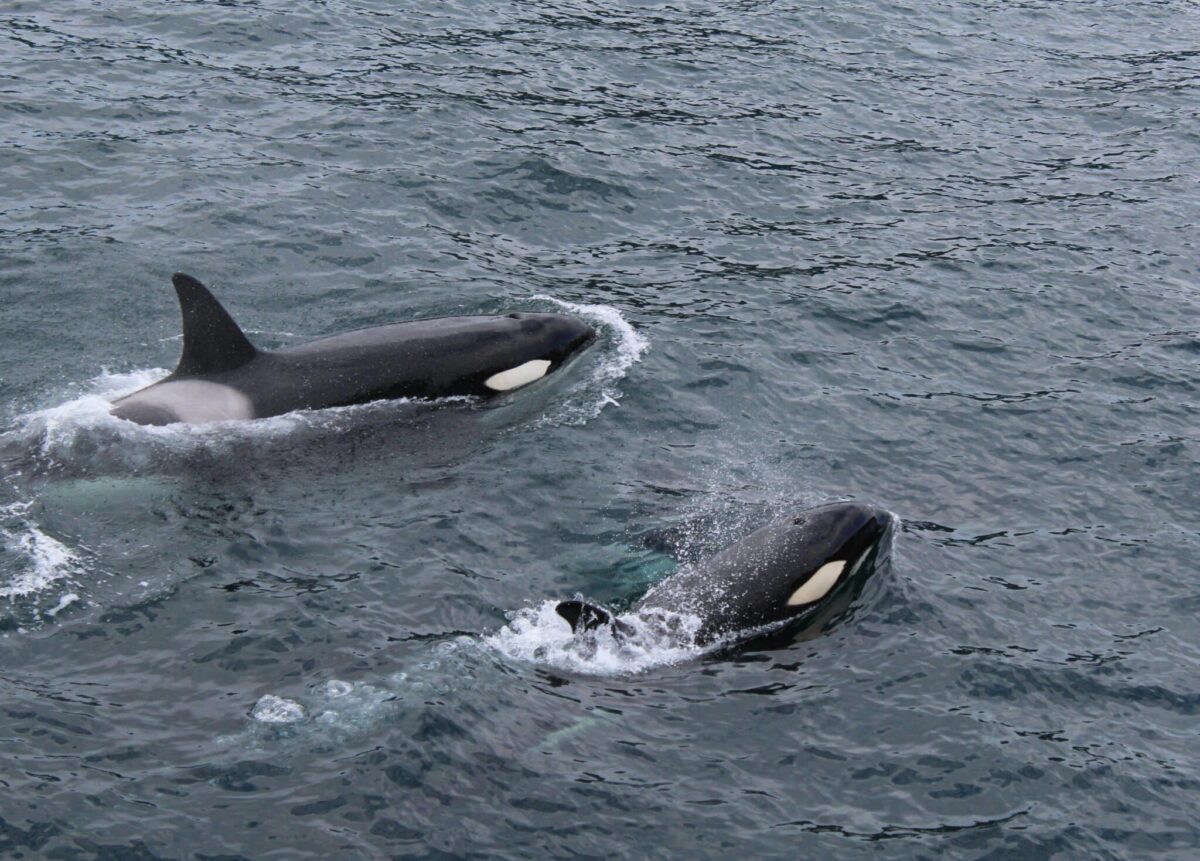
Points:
(938, 256)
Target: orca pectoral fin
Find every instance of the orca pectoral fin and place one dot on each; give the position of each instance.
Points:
(583, 616)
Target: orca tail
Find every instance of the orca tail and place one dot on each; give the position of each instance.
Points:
(583, 616)
(212, 342)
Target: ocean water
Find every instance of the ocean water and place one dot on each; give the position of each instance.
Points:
(940, 256)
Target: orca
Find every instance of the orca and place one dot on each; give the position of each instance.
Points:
(221, 376)
(789, 571)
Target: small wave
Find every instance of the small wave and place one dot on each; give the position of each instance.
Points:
(538, 635)
(628, 347)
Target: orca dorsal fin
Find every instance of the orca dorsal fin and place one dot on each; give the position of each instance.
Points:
(582, 615)
(212, 342)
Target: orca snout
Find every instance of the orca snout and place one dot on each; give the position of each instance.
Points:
(564, 335)
(873, 527)
(875, 521)
(847, 528)
(879, 520)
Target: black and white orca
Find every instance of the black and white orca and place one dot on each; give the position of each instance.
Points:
(789, 571)
(222, 376)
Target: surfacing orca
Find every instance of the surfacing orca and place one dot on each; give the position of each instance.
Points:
(789, 571)
(222, 376)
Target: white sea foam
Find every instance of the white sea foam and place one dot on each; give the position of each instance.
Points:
(58, 426)
(538, 635)
(276, 710)
(43, 562)
(628, 347)
(336, 689)
(64, 602)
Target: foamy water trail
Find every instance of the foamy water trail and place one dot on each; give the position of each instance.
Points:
(336, 708)
(330, 710)
(538, 635)
(330, 703)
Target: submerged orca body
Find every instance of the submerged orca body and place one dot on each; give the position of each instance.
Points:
(788, 571)
(222, 376)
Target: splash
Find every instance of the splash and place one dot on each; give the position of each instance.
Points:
(627, 348)
(538, 635)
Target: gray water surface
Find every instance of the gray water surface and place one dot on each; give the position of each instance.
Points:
(936, 256)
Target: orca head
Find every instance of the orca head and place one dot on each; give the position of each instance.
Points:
(544, 342)
(830, 546)
(557, 335)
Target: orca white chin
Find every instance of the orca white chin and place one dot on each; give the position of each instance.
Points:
(221, 376)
